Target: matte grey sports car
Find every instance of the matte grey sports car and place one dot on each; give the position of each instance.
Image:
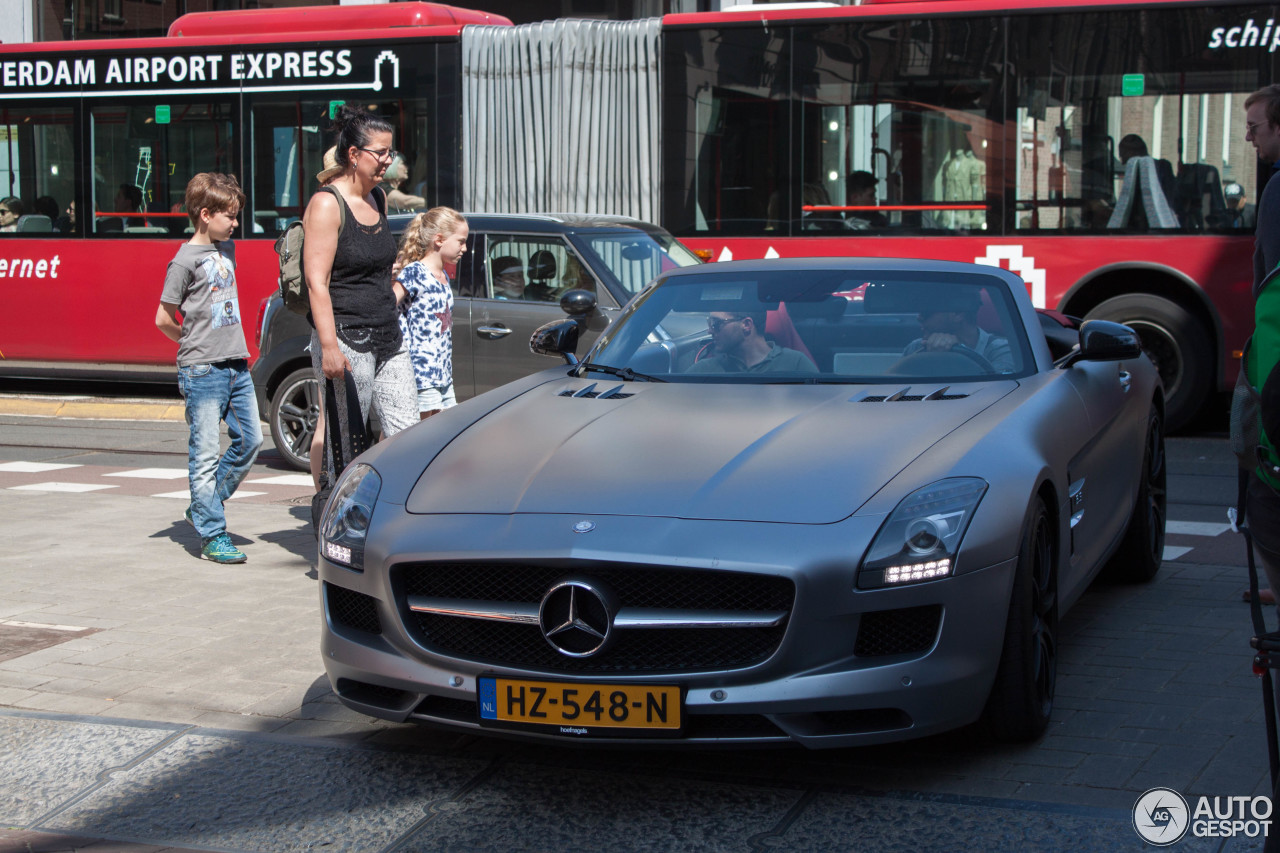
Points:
(823, 501)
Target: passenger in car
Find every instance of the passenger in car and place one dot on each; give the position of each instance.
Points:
(955, 324)
(741, 347)
(508, 277)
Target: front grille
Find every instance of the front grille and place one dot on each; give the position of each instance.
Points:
(898, 632)
(441, 707)
(708, 726)
(353, 609)
(377, 695)
(655, 650)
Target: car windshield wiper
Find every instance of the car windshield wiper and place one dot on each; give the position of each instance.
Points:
(621, 372)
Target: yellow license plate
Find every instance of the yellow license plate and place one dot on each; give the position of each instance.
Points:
(579, 709)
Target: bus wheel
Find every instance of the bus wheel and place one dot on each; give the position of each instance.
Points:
(294, 409)
(1176, 342)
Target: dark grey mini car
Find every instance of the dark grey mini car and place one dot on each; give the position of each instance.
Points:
(510, 281)
(828, 501)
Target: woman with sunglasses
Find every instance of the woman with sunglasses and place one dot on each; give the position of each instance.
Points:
(347, 257)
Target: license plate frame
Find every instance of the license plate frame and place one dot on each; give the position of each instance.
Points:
(660, 707)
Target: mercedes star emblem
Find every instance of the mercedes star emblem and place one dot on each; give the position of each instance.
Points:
(576, 617)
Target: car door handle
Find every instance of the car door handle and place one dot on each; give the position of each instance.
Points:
(1126, 378)
(493, 332)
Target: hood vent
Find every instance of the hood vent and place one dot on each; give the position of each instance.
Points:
(590, 392)
(903, 397)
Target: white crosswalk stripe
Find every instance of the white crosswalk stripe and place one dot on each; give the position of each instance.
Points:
(262, 486)
(62, 487)
(1196, 528)
(33, 467)
(151, 474)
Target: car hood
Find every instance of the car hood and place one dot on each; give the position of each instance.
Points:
(771, 453)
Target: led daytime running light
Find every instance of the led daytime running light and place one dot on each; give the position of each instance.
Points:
(918, 572)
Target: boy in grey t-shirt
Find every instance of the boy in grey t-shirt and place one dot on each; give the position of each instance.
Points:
(199, 309)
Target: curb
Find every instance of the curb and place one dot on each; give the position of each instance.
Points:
(92, 409)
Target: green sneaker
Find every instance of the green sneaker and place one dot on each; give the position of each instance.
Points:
(220, 550)
(190, 520)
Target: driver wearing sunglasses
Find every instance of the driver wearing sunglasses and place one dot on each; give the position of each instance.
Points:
(741, 347)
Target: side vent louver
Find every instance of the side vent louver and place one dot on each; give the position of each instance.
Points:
(590, 392)
(904, 397)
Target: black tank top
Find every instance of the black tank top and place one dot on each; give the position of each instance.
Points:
(364, 305)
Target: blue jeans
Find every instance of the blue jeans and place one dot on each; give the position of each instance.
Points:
(215, 393)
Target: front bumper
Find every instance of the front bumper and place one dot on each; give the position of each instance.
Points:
(820, 685)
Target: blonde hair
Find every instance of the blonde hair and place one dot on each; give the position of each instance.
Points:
(419, 238)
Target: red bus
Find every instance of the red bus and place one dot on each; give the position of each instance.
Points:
(99, 138)
(1092, 146)
(978, 130)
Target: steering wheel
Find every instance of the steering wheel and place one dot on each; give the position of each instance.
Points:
(942, 363)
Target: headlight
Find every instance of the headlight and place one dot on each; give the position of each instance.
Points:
(346, 521)
(920, 539)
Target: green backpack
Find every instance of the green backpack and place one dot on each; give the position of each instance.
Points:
(1255, 405)
(293, 286)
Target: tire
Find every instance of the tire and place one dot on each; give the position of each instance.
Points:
(295, 406)
(1021, 700)
(1177, 343)
(1142, 549)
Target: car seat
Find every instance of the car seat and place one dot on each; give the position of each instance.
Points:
(778, 326)
(542, 272)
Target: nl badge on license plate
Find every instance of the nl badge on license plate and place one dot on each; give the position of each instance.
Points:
(585, 710)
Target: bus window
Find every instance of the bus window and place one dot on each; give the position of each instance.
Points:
(288, 133)
(37, 168)
(287, 149)
(1097, 128)
(732, 182)
(141, 166)
(894, 131)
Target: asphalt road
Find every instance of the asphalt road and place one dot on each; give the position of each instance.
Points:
(184, 705)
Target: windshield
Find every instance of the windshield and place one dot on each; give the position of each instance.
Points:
(820, 325)
(635, 257)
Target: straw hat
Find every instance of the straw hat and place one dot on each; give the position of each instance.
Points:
(331, 168)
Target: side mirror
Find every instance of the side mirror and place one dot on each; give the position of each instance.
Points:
(1102, 340)
(578, 303)
(559, 337)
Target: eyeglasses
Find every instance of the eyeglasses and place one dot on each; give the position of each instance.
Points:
(1252, 126)
(715, 323)
(382, 154)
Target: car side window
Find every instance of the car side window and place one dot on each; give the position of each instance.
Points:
(532, 268)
